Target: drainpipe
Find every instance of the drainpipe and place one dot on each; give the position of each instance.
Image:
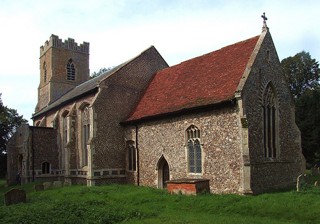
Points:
(32, 154)
(138, 162)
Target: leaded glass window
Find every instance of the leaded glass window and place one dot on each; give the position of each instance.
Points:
(132, 161)
(85, 134)
(65, 130)
(270, 122)
(194, 150)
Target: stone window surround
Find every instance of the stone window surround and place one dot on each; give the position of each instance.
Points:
(71, 70)
(85, 133)
(44, 72)
(270, 99)
(193, 133)
(132, 156)
(45, 167)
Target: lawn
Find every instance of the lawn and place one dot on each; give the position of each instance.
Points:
(131, 204)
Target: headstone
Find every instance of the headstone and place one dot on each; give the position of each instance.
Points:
(38, 187)
(66, 183)
(301, 181)
(57, 183)
(15, 196)
(47, 185)
(316, 184)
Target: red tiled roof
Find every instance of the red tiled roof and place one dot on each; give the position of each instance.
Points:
(209, 79)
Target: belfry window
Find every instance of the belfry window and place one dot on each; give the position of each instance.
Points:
(44, 72)
(85, 134)
(194, 150)
(71, 71)
(270, 123)
(132, 161)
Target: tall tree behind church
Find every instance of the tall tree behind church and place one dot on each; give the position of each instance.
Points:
(303, 75)
(9, 121)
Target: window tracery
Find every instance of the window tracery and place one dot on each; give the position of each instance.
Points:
(194, 150)
(71, 71)
(270, 123)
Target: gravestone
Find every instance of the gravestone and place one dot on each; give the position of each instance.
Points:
(57, 183)
(66, 183)
(47, 185)
(38, 187)
(15, 196)
(301, 181)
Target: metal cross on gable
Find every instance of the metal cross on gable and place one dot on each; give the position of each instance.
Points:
(264, 20)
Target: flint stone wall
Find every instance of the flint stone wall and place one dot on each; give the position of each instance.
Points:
(282, 171)
(220, 143)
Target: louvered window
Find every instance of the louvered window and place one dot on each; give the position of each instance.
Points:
(71, 71)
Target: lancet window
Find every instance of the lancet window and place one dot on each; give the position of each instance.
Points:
(132, 156)
(270, 123)
(194, 150)
(85, 134)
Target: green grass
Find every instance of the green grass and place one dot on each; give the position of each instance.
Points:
(130, 204)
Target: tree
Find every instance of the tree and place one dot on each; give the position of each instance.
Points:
(9, 121)
(100, 72)
(308, 121)
(302, 73)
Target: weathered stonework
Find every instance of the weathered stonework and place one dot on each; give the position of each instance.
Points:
(27, 151)
(108, 98)
(220, 143)
(282, 171)
(54, 56)
(232, 138)
(83, 129)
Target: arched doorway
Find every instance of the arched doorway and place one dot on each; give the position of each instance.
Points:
(163, 172)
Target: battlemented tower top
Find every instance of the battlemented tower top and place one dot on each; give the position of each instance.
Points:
(69, 44)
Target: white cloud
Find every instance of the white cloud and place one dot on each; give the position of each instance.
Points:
(120, 29)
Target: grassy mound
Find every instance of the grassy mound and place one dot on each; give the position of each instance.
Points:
(131, 204)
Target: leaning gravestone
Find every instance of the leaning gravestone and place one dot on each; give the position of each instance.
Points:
(301, 181)
(57, 183)
(38, 187)
(15, 196)
(47, 185)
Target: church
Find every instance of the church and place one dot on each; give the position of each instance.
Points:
(226, 117)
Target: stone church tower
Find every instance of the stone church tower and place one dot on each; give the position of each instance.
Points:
(63, 65)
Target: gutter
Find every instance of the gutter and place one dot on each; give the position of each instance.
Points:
(32, 143)
(227, 103)
(138, 161)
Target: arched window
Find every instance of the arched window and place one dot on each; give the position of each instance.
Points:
(71, 71)
(65, 128)
(270, 122)
(45, 168)
(44, 72)
(194, 150)
(85, 134)
(132, 158)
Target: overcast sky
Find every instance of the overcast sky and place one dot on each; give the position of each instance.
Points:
(118, 30)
